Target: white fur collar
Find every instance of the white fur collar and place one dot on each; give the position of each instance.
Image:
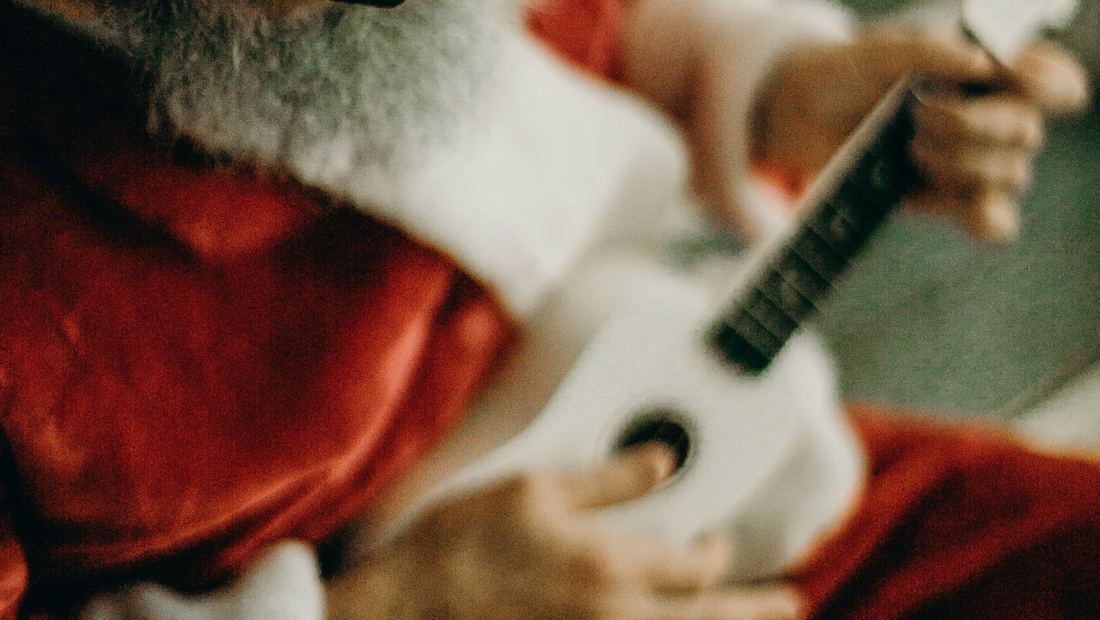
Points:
(564, 161)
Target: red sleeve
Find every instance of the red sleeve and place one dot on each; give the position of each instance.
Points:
(961, 522)
(587, 33)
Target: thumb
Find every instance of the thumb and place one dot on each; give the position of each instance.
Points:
(627, 476)
(936, 55)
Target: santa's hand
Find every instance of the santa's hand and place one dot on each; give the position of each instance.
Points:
(974, 151)
(530, 548)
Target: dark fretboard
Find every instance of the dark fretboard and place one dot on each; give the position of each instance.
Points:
(855, 193)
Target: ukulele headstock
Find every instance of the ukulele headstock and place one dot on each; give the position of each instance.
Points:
(1005, 27)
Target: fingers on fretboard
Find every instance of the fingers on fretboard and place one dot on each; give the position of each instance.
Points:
(839, 223)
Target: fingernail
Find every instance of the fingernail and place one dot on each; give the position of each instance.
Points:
(1076, 95)
(661, 458)
(982, 62)
(1001, 221)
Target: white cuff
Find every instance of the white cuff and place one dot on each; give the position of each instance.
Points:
(284, 585)
(565, 162)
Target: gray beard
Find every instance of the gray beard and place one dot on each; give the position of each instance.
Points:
(340, 90)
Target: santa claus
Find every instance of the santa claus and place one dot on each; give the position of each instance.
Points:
(260, 255)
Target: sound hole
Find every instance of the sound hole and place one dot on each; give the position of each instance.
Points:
(662, 426)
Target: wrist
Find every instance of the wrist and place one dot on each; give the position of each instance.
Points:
(662, 50)
(760, 121)
(780, 106)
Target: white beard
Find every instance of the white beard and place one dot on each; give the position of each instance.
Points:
(351, 86)
(441, 116)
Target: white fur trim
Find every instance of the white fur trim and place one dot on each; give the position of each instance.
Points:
(284, 585)
(565, 160)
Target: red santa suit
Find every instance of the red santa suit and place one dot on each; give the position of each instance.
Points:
(197, 363)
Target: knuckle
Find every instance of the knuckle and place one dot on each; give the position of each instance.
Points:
(1031, 131)
(941, 124)
(597, 568)
(1018, 124)
(527, 488)
(598, 608)
(975, 120)
(1019, 173)
(511, 490)
(527, 495)
(953, 116)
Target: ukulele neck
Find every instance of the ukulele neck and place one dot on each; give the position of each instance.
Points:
(848, 202)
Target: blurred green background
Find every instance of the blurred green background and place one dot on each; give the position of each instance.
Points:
(934, 321)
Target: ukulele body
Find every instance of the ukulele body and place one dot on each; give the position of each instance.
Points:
(770, 459)
(628, 339)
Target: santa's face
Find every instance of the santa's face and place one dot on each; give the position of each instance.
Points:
(344, 86)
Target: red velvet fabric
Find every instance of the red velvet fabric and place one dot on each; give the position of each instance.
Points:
(587, 33)
(960, 521)
(195, 362)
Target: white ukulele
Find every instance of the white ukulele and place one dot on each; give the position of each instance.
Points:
(633, 351)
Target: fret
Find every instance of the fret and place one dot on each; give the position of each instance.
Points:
(840, 218)
(851, 200)
(818, 255)
(881, 176)
(876, 176)
(837, 231)
(847, 199)
(797, 274)
(758, 336)
(771, 316)
(736, 350)
(785, 294)
(744, 341)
